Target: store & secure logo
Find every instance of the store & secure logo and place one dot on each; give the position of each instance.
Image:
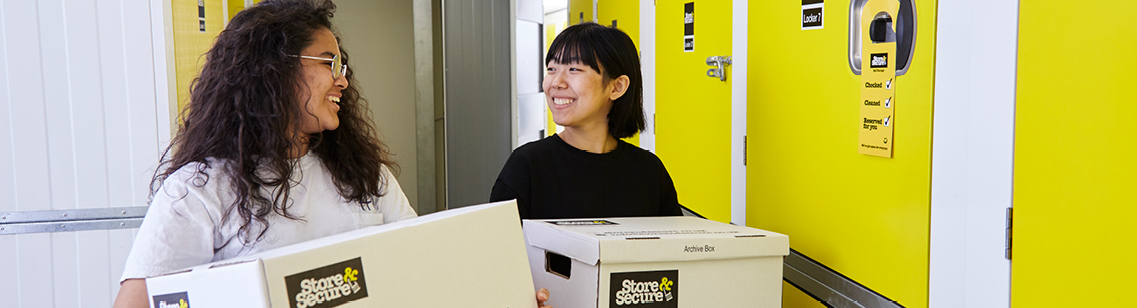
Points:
(651, 289)
(327, 286)
(172, 300)
(879, 60)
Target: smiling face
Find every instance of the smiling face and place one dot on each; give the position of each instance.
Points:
(578, 95)
(318, 112)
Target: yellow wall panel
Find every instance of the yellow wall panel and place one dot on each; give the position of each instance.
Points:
(552, 29)
(579, 10)
(692, 111)
(190, 44)
(625, 11)
(628, 14)
(864, 216)
(1075, 139)
(234, 6)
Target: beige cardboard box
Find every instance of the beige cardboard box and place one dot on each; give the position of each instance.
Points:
(655, 262)
(468, 257)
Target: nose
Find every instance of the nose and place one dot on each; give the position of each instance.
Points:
(341, 82)
(556, 81)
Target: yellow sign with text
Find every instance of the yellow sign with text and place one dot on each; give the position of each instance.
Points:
(878, 78)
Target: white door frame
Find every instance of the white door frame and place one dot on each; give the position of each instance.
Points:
(972, 152)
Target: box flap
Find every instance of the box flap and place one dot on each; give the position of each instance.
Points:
(219, 284)
(337, 239)
(661, 239)
(475, 253)
(550, 235)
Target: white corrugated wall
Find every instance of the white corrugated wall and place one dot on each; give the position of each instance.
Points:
(79, 129)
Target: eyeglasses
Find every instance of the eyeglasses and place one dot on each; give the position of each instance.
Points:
(338, 68)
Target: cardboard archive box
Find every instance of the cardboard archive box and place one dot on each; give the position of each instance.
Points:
(468, 257)
(655, 262)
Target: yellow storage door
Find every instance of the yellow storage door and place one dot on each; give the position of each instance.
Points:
(1075, 155)
(624, 15)
(866, 217)
(692, 112)
(192, 41)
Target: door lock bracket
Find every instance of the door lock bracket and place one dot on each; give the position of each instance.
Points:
(720, 63)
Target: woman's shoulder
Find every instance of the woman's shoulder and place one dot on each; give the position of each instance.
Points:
(206, 173)
(538, 148)
(637, 153)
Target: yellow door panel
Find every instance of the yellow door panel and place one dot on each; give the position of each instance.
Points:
(692, 111)
(627, 13)
(1075, 139)
(552, 29)
(234, 6)
(190, 43)
(792, 297)
(864, 216)
(579, 11)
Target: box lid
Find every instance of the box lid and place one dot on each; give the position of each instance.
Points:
(652, 239)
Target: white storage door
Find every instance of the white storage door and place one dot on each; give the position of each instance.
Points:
(79, 129)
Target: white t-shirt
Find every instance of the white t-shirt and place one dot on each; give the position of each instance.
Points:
(184, 225)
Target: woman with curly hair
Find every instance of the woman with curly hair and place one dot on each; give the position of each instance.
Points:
(275, 148)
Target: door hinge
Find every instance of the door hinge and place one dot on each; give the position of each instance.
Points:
(744, 150)
(1010, 228)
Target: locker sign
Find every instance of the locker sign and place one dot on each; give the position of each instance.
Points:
(201, 16)
(812, 13)
(689, 27)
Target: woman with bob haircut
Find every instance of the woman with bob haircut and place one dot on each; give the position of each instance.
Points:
(275, 148)
(594, 88)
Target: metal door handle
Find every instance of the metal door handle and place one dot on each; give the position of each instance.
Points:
(904, 36)
(720, 63)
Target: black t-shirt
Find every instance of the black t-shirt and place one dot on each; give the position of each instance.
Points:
(552, 179)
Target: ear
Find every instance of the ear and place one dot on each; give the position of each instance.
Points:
(619, 86)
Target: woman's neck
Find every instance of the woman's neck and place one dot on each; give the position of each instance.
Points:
(299, 148)
(592, 141)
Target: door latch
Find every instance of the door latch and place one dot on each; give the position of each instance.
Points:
(720, 63)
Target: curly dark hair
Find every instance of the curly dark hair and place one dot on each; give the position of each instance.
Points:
(243, 110)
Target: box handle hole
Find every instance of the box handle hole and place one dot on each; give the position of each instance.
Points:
(557, 264)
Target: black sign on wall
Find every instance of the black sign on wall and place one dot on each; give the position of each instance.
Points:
(812, 14)
(689, 27)
(201, 15)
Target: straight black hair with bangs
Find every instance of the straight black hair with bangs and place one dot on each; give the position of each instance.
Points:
(612, 53)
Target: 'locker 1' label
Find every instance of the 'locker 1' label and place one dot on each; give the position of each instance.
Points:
(878, 87)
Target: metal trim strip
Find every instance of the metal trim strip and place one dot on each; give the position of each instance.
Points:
(73, 215)
(81, 225)
(830, 287)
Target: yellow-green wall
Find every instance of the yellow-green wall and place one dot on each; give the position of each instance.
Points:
(234, 6)
(866, 217)
(693, 111)
(578, 9)
(1075, 155)
(190, 44)
(628, 14)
